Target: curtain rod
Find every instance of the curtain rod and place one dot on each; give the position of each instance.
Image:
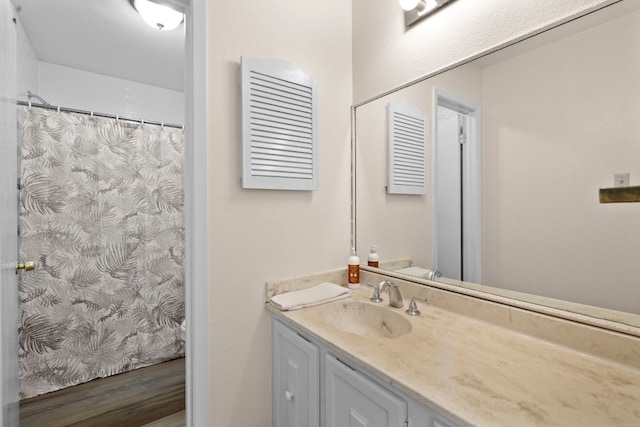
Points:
(91, 113)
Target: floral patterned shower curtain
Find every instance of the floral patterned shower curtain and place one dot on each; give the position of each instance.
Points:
(102, 215)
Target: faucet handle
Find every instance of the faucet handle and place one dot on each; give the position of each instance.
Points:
(413, 307)
(376, 293)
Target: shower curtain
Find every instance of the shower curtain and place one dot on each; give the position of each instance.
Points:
(102, 215)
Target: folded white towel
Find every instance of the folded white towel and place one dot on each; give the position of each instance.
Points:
(319, 294)
(414, 271)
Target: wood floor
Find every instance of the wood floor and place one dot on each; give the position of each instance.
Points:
(175, 420)
(154, 395)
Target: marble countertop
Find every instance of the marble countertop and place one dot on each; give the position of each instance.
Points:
(481, 374)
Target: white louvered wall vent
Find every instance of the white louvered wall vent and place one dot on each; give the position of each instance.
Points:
(407, 149)
(279, 126)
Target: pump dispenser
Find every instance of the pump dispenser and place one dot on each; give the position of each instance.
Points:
(354, 270)
(373, 258)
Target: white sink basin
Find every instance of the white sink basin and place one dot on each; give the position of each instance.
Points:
(365, 320)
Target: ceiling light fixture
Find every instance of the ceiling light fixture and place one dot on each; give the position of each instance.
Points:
(157, 15)
(415, 10)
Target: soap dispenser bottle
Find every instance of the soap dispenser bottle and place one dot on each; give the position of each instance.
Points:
(353, 270)
(373, 258)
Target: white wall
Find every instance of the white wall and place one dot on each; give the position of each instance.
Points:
(386, 55)
(259, 235)
(27, 61)
(83, 90)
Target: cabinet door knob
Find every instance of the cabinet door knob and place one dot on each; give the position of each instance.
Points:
(288, 395)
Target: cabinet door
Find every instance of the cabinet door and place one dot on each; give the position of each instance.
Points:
(295, 379)
(421, 415)
(354, 400)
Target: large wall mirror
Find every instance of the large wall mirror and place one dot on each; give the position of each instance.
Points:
(547, 122)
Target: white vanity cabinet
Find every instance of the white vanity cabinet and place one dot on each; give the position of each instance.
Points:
(422, 416)
(304, 371)
(354, 400)
(296, 376)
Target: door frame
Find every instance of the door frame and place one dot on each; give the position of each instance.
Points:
(471, 185)
(196, 247)
(9, 389)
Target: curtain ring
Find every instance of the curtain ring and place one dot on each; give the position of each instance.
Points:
(29, 103)
(161, 125)
(58, 109)
(92, 114)
(141, 122)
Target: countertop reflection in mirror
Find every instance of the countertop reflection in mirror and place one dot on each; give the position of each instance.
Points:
(559, 117)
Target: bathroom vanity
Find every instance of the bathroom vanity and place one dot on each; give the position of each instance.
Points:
(463, 362)
(351, 394)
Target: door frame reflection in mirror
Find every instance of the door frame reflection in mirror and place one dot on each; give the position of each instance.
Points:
(470, 205)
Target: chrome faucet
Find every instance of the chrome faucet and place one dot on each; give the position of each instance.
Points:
(395, 298)
(433, 274)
